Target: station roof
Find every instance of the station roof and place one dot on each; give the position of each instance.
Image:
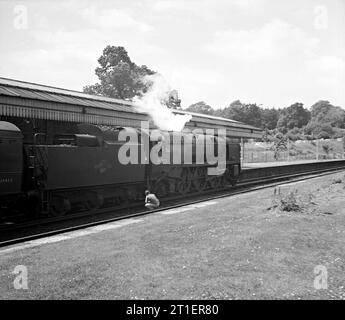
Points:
(31, 100)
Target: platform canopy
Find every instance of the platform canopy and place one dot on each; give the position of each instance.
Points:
(35, 101)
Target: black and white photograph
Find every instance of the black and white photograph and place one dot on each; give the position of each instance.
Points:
(172, 155)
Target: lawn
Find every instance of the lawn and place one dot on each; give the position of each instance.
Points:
(241, 247)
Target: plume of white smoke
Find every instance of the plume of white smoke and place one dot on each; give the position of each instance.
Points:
(153, 103)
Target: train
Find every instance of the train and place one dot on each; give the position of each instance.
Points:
(80, 171)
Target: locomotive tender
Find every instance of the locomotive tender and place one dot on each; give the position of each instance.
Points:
(81, 171)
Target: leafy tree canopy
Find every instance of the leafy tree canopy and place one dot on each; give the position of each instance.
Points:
(323, 112)
(200, 107)
(295, 116)
(119, 77)
(270, 118)
(322, 121)
(247, 113)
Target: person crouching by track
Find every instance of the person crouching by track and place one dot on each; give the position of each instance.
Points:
(151, 201)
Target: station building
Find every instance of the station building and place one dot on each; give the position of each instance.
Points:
(36, 108)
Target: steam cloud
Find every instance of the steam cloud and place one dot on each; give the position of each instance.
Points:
(153, 103)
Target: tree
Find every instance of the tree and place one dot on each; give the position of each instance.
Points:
(327, 148)
(280, 143)
(266, 135)
(296, 134)
(200, 107)
(327, 121)
(247, 113)
(235, 111)
(119, 76)
(254, 116)
(295, 116)
(269, 118)
(323, 112)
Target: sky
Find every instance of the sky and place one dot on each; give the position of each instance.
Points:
(270, 52)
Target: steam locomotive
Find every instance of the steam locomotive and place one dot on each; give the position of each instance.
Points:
(81, 171)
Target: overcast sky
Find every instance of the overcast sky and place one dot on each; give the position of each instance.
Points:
(271, 52)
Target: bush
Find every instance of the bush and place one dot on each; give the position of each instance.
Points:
(338, 180)
(292, 201)
(288, 202)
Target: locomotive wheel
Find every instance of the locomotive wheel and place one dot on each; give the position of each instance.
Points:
(94, 202)
(59, 206)
(200, 185)
(162, 189)
(100, 201)
(201, 172)
(222, 182)
(33, 207)
(183, 187)
(233, 181)
(215, 182)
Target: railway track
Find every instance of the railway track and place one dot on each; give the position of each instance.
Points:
(252, 180)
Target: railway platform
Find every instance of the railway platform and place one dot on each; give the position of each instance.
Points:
(255, 165)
